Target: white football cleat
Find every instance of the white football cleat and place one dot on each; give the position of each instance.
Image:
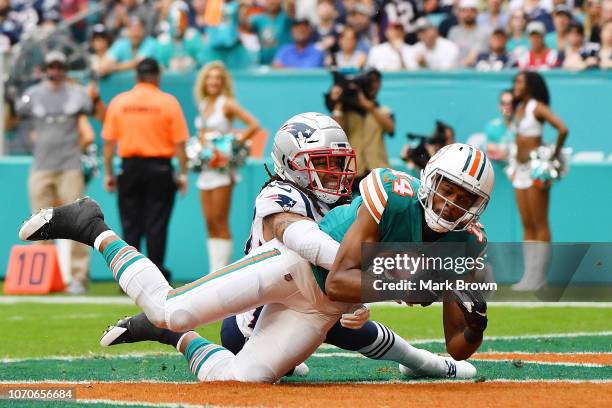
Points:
(81, 221)
(450, 369)
(301, 370)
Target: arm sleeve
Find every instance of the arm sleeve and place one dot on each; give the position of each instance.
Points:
(374, 195)
(305, 238)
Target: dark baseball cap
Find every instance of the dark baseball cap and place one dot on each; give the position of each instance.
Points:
(148, 66)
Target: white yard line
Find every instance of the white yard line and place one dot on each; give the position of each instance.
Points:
(553, 363)
(498, 380)
(515, 304)
(94, 300)
(92, 357)
(499, 360)
(124, 300)
(414, 382)
(87, 382)
(527, 336)
(143, 404)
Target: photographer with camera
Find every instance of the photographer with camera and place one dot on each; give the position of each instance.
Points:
(416, 157)
(352, 101)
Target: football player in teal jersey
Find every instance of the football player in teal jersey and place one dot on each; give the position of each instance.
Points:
(444, 206)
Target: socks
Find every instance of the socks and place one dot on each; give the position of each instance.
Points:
(536, 257)
(389, 346)
(120, 256)
(101, 237)
(219, 253)
(203, 357)
(141, 328)
(542, 260)
(140, 279)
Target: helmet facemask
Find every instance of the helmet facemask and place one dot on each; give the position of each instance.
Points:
(329, 173)
(470, 213)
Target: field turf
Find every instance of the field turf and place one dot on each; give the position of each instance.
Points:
(58, 342)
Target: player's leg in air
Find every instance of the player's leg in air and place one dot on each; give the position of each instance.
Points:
(285, 338)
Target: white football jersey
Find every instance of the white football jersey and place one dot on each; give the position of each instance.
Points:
(276, 197)
(279, 197)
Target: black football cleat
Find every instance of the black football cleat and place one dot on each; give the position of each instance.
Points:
(118, 333)
(134, 329)
(81, 221)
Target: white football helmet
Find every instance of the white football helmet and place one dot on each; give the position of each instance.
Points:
(465, 166)
(310, 139)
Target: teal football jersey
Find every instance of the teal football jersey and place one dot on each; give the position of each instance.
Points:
(391, 199)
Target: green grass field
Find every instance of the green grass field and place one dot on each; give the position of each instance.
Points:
(59, 342)
(75, 329)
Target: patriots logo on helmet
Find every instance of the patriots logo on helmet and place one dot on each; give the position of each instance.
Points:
(300, 131)
(284, 201)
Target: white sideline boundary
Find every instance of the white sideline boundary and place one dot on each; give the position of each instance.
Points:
(88, 382)
(142, 404)
(68, 300)
(124, 300)
(413, 382)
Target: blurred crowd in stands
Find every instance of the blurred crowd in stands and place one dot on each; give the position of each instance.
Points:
(389, 35)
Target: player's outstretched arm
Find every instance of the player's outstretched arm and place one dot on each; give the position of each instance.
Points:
(343, 283)
(302, 235)
(465, 320)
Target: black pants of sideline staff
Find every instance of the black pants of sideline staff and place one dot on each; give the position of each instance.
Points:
(146, 189)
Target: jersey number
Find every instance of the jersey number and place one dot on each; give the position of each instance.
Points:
(401, 185)
(477, 231)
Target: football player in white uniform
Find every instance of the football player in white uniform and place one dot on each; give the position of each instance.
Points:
(297, 314)
(291, 196)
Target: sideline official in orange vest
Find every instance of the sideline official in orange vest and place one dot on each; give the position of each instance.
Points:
(146, 127)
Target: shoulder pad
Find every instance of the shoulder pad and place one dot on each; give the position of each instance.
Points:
(282, 197)
(382, 184)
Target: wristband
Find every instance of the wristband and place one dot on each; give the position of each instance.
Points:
(472, 336)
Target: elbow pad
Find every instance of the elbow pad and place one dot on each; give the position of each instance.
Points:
(312, 244)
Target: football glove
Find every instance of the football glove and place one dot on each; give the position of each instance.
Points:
(474, 309)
